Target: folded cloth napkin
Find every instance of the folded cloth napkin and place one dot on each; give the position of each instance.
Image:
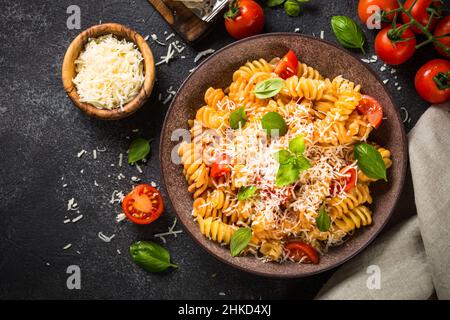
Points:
(412, 259)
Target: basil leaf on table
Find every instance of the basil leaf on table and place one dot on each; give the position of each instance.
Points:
(274, 3)
(138, 150)
(297, 145)
(240, 240)
(370, 161)
(348, 33)
(323, 220)
(268, 88)
(238, 118)
(274, 121)
(246, 192)
(292, 8)
(150, 256)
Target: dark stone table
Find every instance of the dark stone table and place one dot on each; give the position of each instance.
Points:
(41, 133)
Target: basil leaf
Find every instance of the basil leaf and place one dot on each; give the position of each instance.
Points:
(274, 3)
(283, 156)
(370, 161)
(246, 192)
(238, 118)
(302, 163)
(240, 240)
(348, 33)
(268, 88)
(302, 1)
(138, 150)
(150, 256)
(323, 220)
(287, 173)
(274, 121)
(297, 145)
(292, 8)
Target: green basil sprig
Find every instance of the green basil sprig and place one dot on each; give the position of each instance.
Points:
(323, 220)
(246, 192)
(268, 88)
(150, 256)
(274, 121)
(240, 240)
(292, 162)
(370, 161)
(139, 149)
(238, 118)
(291, 7)
(348, 33)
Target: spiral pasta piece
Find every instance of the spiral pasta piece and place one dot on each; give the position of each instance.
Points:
(304, 88)
(250, 68)
(195, 171)
(213, 97)
(355, 197)
(344, 106)
(341, 85)
(209, 117)
(354, 219)
(216, 230)
(305, 71)
(272, 250)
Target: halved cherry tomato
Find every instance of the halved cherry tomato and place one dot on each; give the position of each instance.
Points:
(421, 14)
(430, 76)
(365, 8)
(349, 180)
(398, 52)
(221, 167)
(298, 250)
(442, 29)
(143, 204)
(288, 66)
(370, 107)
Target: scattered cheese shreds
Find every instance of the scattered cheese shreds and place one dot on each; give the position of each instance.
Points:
(203, 53)
(72, 205)
(67, 246)
(105, 238)
(76, 219)
(120, 159)
(81, 153)
(94, 154)
(168, 233)
(120, 217)
(138, 168)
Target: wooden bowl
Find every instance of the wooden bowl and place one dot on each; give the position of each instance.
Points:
(331, 61)
(77, 45)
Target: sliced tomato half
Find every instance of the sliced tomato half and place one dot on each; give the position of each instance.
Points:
(298, 250)
(370, 107)
(143, 204)
(288, 65)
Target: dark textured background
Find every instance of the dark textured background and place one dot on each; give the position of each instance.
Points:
(41, 133)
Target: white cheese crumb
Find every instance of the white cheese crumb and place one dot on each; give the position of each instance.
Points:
(72, 205)
(222, 294)
(101, 150)
(203, 53)
(95, 183)
(105, 238)
(117, 197)
(383, 68)
(170, 36)
(135, 179)
(183, 57)
(146, 37)
(120, 217)
(67, 246)
(120, 159)
(81, 153)
(396, 84)
(375, 57)
(167, 57)
(82, 171)
(94, 154)
(138, 168)
(321, 34)
(393, 71)
(365, 60)
(64, 185)
(76, 219)
(118, 251)
(155, 38)
(66, 221)
(399, 88)
(159, 96)
(78, 252)
(153, 184)
(47, 264)
(120, 176)
(168, 233)
(297, 30)
(135, 130)
(385, 81)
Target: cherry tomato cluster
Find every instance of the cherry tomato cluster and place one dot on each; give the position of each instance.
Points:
(402, 25)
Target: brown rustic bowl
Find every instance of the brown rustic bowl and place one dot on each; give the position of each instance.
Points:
(77, 45)
(331, 61)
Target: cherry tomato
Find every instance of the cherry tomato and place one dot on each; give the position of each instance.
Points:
(298, 250)
(443, 28)
(143, 204)
(245, 18)
(419, 12)
(395, 53)
(221, 167)
(427, 78)
(288, 66)
(349, 181)
(365, 9)
(370, 107)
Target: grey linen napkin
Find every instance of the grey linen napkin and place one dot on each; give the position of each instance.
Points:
(412, 259)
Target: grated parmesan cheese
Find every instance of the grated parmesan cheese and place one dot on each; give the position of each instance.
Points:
(109, 72)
